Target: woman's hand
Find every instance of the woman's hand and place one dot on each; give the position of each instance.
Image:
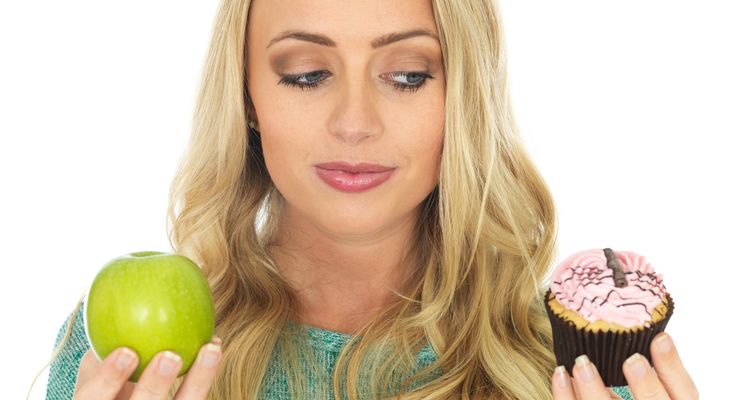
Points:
(108, 379)
(670, 381)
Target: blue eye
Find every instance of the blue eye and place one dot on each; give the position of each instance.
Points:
(311, 80)
(414, 80)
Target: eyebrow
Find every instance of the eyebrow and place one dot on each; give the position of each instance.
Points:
(377, 42)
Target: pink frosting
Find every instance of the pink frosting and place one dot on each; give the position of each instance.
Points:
(583, 283)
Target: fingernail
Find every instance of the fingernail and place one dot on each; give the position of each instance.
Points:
(636, 365)
(125, 358)
(562, 380)
(216, 340)
(210, 355)
(169, 363)
(663, 343)
(586, 368)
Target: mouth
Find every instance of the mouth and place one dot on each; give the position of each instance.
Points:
(353, 178)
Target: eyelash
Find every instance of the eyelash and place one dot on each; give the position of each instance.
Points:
(291, 80)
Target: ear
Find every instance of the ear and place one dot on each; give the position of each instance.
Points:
(250, 109)
(252, 117)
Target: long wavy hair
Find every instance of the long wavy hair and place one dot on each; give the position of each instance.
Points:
(485, 240)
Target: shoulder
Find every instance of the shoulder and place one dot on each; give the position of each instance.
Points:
(64, 369)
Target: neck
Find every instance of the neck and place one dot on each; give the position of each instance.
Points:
(342, 280)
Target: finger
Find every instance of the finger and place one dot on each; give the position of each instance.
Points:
(109, 377)
(562, 387)
(126, 392)
(201, 374)
(87, 369)
(669, 367)
(158, 377)
(642, 379)
(588, 383)
(613, 395)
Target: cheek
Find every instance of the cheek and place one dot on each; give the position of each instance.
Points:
(422, 151)
(428, 159)
(425, 143)
(285, 156)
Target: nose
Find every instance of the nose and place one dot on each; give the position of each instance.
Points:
(355, 117)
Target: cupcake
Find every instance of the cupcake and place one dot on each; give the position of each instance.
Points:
(607, 305)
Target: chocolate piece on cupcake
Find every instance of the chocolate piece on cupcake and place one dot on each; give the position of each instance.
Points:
(607, 305)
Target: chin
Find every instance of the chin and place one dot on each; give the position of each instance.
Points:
(349, 215)
(358, 224)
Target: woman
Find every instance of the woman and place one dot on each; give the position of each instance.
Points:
(379, 194)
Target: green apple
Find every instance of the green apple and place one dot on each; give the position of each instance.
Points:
(149, 301)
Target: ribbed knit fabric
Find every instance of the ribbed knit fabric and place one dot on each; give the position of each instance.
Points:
(64, 370)
(327, 346)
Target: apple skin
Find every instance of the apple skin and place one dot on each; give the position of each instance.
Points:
(149, 301)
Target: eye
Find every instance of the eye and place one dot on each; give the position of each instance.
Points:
(311, 79)
(411, 81)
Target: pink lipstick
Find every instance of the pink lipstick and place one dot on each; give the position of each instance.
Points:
(353, 178)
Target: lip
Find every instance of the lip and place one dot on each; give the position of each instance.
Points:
(353, 178)
(353, 168)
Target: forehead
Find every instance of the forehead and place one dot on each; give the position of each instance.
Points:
(347, 22)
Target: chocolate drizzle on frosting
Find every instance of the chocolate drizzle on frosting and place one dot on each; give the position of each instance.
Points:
(614, 264)
(583, 283)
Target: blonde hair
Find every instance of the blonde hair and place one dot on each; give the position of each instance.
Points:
(485, 239)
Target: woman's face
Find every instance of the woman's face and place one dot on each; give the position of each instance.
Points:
(325, 94)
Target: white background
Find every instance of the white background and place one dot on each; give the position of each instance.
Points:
(635, 112)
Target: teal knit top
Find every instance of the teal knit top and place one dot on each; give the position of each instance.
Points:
(326, 344)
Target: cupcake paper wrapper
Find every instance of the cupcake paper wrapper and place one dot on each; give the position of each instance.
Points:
(607, 350)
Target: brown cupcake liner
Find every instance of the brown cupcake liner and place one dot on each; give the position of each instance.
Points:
(607, 350)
